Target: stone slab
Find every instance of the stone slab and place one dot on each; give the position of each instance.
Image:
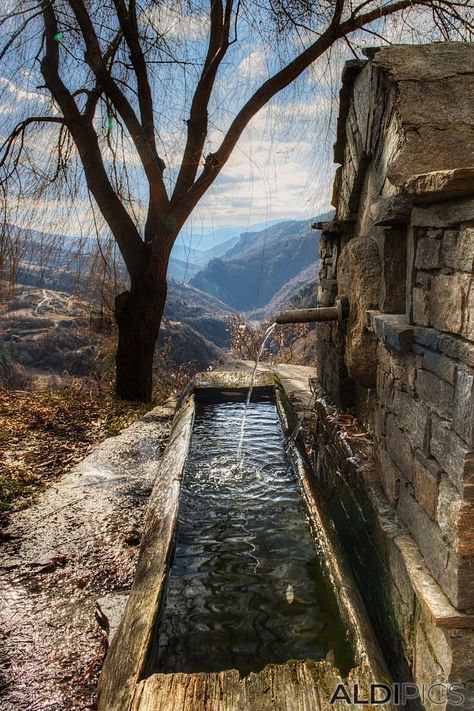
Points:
(435, 392)
(412, 416)
(426, 533)
(436, 604)
(399, 448)
(457, 249)
(455, 517)
(463, 418)
(430, 596)
(454, 455)
(391, 211)
(443, 214)
(455, 347)
(428, 591)
(426, 477)
(448, 302)
(428, 254)
(394, 331)
(442, 366)
(426, 337)
(441, 185)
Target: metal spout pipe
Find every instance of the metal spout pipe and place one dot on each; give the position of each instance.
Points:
(324, 313)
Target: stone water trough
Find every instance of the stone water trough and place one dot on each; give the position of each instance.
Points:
(128, 681)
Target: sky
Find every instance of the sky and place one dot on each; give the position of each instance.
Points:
(282, 166)
(272, 176)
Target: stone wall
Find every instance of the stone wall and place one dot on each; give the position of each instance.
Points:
(424, 637)
(331, 366)
(401, 249)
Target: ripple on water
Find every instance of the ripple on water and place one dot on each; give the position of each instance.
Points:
(246, 586)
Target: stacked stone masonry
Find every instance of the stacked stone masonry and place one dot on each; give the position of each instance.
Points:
(401, 249)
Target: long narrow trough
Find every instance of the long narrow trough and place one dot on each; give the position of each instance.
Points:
(247, 586)
(241, 599)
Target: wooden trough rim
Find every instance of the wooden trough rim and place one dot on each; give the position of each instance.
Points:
(122, 680)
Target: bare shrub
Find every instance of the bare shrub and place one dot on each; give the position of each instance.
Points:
(169, 377)
(12, 375)
(288, 344)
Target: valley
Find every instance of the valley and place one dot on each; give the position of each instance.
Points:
(56, 319)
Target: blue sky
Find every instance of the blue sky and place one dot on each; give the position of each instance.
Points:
(282, 166)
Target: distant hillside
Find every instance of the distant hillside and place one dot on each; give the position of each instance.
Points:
(47, 335)
(49, 340)
(298, 293)
(186, 261)
(202, 312)
(185, 250)
(254, 270)
(60, 263)
(273, 268)
(182, 269)
(58, 260)
(188, 346)
(219, 250)
(207, 240)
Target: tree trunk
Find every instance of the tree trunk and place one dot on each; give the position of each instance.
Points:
(138, 314)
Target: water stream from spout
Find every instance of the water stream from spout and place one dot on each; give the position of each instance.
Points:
(240, 452)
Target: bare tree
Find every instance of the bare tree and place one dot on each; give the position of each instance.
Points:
(110, 64)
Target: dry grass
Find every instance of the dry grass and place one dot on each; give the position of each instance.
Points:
(43, 434)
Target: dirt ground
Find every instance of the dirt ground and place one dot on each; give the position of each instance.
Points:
(76, 545)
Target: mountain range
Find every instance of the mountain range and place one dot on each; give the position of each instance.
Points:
(258, 272)
(259, 264)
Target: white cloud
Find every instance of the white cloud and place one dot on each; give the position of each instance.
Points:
(171, 21)
(7, 108)
(254, 65)
(280, 169)
(20, 94)
(268, 177)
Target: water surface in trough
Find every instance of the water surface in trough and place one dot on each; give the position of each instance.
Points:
(247, 586)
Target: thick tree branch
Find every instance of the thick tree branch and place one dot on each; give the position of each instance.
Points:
(336, 30)
(358, 21)
(153, 168)
(269, 89)
(85, 138)
(129, 25)
(198, 117)
(95, 93)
